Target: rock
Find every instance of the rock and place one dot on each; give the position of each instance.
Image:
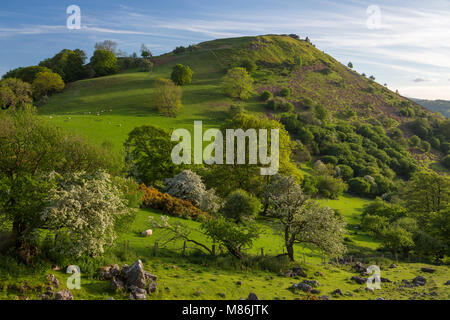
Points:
(52, 280)
(324, 298)
(302, 286)
(312, 283)
(239, 283)
(45, 297)
(110, 298)
(380, 298)
(337, 292)
(315, 291)
(370, 289)
(117, 285)
(252, 296)
(221, 294)
(447, 283)
(56, 268)
(428, 270)
(64, 295)
(109, 272)
(135, 275)
(147, 233)
(152, 287)
(405, 283)
(359, 280)
(319, 274)
(359, 267)
(433, 293)
(385, 280)
(392, 266)
(419, 281)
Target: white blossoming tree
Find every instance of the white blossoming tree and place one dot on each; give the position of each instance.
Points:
(189, 186)
(82, 212)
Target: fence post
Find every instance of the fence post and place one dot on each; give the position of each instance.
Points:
(155, 249)
(262, 252)
(213, 249)
(183, 253)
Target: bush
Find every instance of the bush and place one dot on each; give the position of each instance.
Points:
(284, 92)
(359, 186)
(414, 141)
(238, 83)
(279, 104)
(308, 103)
(266, 95)
(181, 75)
(426, 147)
(240, 206)
(170, 205)
(236, 109)
(446, 161)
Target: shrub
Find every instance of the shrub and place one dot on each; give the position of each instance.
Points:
(446, 161)
(284, 92)
(236, 109)
(359, 186)
(240, 206)
(426, 147)
(266, 95)
(308, 103)
(170, 205)
(414, 141)
(181, 75)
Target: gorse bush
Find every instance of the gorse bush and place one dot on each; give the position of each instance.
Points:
(172, 206)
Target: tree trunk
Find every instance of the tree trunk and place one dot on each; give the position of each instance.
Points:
(290, 251)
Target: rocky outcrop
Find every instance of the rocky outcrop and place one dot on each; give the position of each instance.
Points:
(133, 279)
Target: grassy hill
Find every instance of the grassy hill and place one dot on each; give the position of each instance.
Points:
(441, 106)
(108, 108)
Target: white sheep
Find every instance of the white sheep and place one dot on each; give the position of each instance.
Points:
(147, 233)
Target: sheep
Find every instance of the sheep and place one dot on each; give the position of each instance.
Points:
(147, 233)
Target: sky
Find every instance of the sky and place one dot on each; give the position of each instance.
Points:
(405, 44)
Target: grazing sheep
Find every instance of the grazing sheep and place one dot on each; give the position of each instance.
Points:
(147, 233)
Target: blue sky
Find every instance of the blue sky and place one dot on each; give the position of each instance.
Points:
(409, 50)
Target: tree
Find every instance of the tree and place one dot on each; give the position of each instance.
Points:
(396, 239)
(425, 145)
(301, 220)
(14, 93)
(350, 65)
(104, 62)
(31, 149)
(107, 45)
(149, 155)
(233, 236)
(321, 112)
(238, 83)
(241, 206)
(284, 92)
(47, 83)
(427, 195)
(26, 74)
(359, 186)
(168, 97)
(69, 64)
(248, 65)
(181, 74)
(266, 95)
(83, 210)
(189, 186)
(145, 52)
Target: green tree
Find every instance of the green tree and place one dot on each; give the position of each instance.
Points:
(168, 97)
(301, 220)
(427, 195)
(241, 206)
(69, 64)
(26, 74)
(238, 83)
(15, 93)
(350, 65)
(145, 52)
(149, 155)
(104, 62)
(181, 74)
(47, 83)
(396, 239)
(414, 141)
(232, 236)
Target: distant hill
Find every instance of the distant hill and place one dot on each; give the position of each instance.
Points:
(441, 106)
